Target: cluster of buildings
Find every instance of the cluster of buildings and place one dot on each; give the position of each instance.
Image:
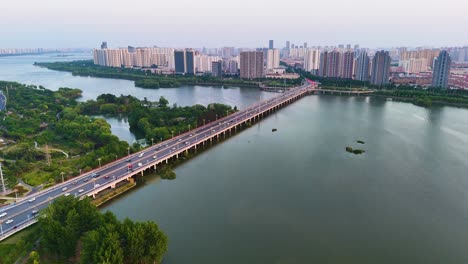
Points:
(420, 66)
(25, 51)
(248, 63)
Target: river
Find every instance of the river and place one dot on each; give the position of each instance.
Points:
(296, 195)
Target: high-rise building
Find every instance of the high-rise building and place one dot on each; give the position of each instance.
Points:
(333, 64)
(311, 60)
(362, 67)
(184, 62)
(104, 45)
(305, 45)
(273, 59)
(287, 44)
(251, 64)
(441, 72)
(216, 69)
(227, 52)
(347, 64)
(323, 67)
(270, 44)
(380, 68)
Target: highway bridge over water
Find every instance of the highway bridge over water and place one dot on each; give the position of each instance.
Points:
(23, 213)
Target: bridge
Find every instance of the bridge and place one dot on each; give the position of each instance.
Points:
(24, 212)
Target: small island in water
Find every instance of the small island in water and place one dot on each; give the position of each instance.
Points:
(360, 142)
(355, 151)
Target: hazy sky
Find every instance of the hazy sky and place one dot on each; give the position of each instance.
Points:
(240, 23)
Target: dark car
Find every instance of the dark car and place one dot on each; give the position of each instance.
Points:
(86, 179)
(95, 175)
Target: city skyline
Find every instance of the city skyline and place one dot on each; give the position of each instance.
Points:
(242, 24)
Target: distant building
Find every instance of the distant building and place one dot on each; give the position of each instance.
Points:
(104, 45)
(362, 67)
(251, 64)
(323, 67)
(347, 65)
(270, 44)
(217, 69)
(333, 64)
(288, 44)
(441, 72)
(311, 60)
(380, 68)
(273, 59)
(184, 62)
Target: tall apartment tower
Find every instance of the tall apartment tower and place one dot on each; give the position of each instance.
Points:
(347, 65)
(270, 44)
(362, 67)
(104, 45)
(323, 64)
(441, 72)
(216, 69)
(251, 64)
(333, 64)
(288, 44)
(273, 59)
(380, 68)
(184, 62)
(311, 60)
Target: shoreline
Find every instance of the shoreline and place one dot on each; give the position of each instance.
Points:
(410, 100)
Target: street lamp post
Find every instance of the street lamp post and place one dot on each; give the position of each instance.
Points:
(16, 195)
(172, 133)
(99, 159)
(203, 121)
(128, 150)
(152, 141)
(216, 116)
(62, 173)
(189, 128)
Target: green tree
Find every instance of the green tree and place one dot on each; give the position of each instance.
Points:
(163, 102)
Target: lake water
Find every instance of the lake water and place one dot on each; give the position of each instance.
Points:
(21, 69)
(296, 195)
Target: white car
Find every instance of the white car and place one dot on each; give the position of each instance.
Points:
(140, 164)
(97, 185)
(32, 199)
(3, 214)
(80, 190)
(67, 194)
(34, 212)
(9, 221)
(141, 154)
(64, 189)
(180, 139)
(155, 157)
